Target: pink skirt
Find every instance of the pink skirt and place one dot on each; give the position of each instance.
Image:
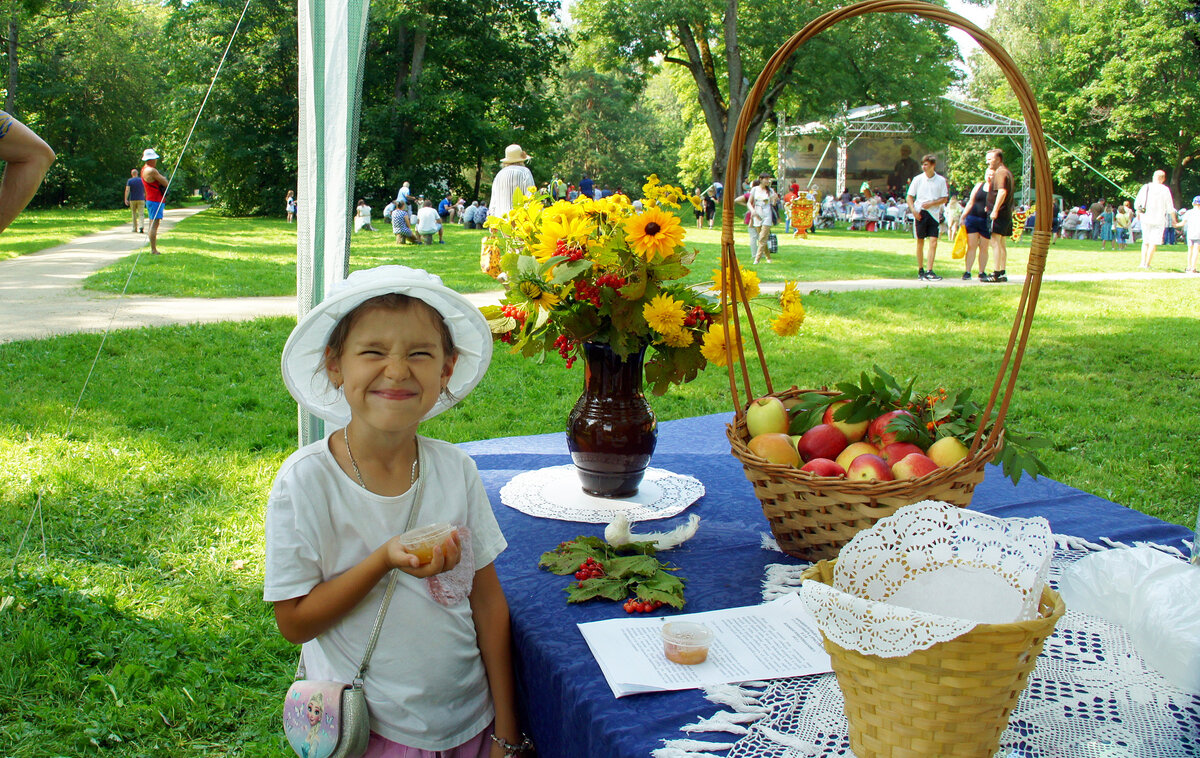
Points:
(479, 746)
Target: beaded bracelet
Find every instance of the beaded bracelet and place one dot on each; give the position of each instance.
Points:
(511, 749)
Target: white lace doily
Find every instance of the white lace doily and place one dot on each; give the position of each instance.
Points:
(556, 493)
(1090, 696)
(929, 573)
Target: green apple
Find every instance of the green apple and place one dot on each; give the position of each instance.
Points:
(766, 415)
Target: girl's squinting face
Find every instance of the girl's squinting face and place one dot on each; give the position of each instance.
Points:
(393, 367)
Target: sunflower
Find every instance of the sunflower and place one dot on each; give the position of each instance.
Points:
(789, 320)
(713, 348)
(572, 231)
(750, 285)
(562, 211)
(664, 314)
(535, 292)
(654, 233)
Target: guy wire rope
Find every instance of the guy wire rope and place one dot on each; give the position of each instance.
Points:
(36, 508)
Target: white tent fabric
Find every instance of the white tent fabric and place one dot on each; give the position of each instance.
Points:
(332, 37)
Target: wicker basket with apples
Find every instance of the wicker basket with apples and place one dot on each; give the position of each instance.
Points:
(813, 513)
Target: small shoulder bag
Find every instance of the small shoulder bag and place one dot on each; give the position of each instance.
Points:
(327, 719)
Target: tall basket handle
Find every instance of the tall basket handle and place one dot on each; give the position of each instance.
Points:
(733, 292)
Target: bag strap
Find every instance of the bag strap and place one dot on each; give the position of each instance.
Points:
(387, 595)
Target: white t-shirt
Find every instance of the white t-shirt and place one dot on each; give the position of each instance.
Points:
(1155, 203)
(425, 685)
(760, 202)
(925, 188)
(428, 220)
(1191, 223)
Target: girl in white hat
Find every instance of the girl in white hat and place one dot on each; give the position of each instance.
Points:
(387, 349)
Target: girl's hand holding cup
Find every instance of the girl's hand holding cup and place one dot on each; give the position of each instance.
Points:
(425, 551)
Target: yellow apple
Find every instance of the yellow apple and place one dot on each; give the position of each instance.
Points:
(947, 451)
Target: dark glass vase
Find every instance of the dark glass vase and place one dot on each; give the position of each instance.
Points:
(611, 431)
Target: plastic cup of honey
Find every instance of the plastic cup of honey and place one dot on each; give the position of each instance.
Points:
(686, 642)
(422, 540)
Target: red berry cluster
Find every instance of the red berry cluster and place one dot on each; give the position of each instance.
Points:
(588, 293)
(697, 317)
(633, 605)
(513, 311)
(589, 569)
(565, 346)
(610, 280)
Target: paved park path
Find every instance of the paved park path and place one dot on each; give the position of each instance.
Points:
(41, 296)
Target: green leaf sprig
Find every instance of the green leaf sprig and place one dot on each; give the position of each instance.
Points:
(629, 570)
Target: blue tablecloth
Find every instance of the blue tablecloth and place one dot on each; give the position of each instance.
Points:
(567, 706)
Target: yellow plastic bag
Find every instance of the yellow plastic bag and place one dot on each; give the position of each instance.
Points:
(960, 243)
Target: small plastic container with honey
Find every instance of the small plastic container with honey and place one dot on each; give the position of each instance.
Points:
(422, 540)
(686, 642)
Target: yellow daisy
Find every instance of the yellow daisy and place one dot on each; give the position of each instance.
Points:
(654, 233)
(750, 282)
(680, 338)
(789, 321)
(664, 314)
(535, 293)
(713, 348)
(790, 296)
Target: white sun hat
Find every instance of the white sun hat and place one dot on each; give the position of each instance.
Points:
(149, 155)
(514, 154)
(303, 360)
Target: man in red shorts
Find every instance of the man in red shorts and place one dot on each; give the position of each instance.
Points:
(156, 187)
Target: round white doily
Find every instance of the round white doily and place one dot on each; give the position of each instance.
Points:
(556, 493)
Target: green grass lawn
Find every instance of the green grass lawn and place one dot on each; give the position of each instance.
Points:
(133, 620)
(210, 256)
(36, 230)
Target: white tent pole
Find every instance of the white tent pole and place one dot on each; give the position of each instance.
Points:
(332, 39)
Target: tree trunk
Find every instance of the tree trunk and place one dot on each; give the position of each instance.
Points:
(478, 174)
(402, 59)
(420, 40)
(10, 99)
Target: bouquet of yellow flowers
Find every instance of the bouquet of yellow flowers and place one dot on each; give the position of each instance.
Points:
(603, 271)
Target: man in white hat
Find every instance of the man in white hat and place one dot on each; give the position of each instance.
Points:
(156, 187)
(514, 176)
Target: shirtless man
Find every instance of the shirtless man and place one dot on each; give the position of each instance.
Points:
(156, 186)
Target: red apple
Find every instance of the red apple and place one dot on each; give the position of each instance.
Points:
(822, 441)
(869, 468)
(896, 451)
(854, 432)
(913, 466)
(947, 451)
(877, 432)
(766, 414)
(853, 451)
(823, 467)
(776, 448)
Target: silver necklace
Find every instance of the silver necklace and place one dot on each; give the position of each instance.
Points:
(412, 476)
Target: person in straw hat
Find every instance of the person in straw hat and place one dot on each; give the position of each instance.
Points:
(156, 188)
(512, 177)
